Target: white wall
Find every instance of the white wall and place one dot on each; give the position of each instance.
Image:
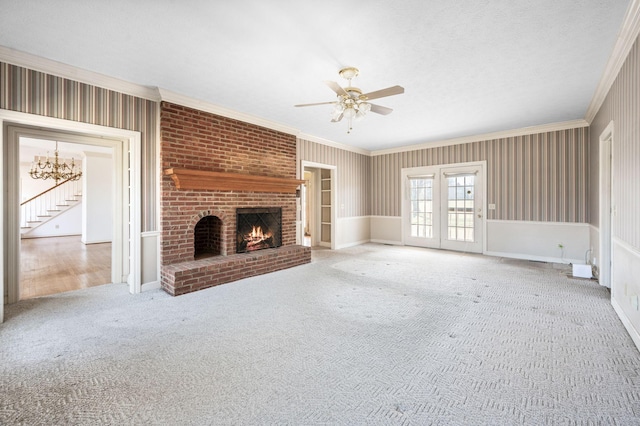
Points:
(513, 239)
(538, 240)
(351, 231)
(150, 267)
(386, 229)
(97, 198)
(594, 239)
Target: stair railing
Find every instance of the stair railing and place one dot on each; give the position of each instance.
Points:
(48, 202)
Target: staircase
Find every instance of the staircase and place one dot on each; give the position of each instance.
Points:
(48, 204)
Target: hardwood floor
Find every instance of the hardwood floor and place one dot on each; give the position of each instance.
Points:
(58, 264)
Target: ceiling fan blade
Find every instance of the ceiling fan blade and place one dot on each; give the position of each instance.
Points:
(336, 88)
(378, 109)
(317, 103)
(389, 91)
(335, 120)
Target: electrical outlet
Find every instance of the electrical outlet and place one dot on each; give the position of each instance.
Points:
(492, 206)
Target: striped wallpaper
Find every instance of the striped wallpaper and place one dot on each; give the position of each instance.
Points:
(38, 93)
(353, 171)
(539, 177)
(622, 105)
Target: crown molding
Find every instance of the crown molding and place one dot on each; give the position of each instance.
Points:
(332, 144)
(626, 38)
(552, 127)
(48, 66)
(176, 98)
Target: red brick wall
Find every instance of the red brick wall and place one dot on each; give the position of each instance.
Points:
(204, 141)
(200, 140)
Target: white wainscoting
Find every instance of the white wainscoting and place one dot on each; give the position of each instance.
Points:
(386, 230)
(538, 240)
(150, 247)
(352, 231)
(625, 286)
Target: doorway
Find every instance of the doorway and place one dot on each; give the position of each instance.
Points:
(126, 145)
(318, 201)
(443, 207)
(66, 226)
(606, 206)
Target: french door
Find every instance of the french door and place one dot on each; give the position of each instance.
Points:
(443, 207)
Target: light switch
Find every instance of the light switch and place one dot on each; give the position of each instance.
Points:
(492, 206)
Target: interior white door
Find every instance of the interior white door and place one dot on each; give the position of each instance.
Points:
(443, 207)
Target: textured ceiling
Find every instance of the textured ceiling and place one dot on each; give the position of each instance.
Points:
(468, 67)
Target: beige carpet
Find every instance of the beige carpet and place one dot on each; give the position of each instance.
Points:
(368, 335)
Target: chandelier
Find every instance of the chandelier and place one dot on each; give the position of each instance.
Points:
(55, 170)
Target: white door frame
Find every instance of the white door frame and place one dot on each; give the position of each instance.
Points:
(605, 197)
(405, 209)
(479, 219)
(315, 228)
(437, 171)
(126, 146)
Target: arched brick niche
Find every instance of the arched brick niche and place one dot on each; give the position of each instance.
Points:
(207, 237)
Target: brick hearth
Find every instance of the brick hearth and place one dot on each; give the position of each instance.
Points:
(185, 277)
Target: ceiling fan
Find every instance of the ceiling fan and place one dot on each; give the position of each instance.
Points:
(352, 104)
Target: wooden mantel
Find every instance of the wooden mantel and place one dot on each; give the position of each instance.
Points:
(222, 181)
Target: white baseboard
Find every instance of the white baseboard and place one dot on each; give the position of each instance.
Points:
(390, 242)
(28, 236)
(351, 244)
(533, 257)
(96, 242)
(635, 336)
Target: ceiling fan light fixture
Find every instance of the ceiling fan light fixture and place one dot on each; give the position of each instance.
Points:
(351, 103)
(349, 72)
(364, 107)
(349, 112)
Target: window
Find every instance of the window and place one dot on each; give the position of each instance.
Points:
(421, 207)
(460, 206)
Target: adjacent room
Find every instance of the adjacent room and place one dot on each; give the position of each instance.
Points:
(302, 213)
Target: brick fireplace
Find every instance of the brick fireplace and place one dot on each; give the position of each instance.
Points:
(214, 166)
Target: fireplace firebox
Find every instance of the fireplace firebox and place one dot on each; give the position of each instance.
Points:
(258, 228)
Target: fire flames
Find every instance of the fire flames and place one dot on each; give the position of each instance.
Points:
(256, 238)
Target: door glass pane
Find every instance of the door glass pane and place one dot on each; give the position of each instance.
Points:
(460, 208)
(421, 207)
